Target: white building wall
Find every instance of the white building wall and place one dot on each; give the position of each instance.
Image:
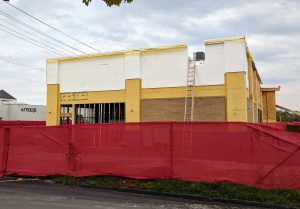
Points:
(132, 66)
(235, 55)
(229, 56)
(167, 69)
(52, 73)
(26, 112)
(92, 75)
(212, 72)
(156, 69)
(4, 111)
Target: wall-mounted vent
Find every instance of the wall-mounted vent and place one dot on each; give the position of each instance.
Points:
(199, 56)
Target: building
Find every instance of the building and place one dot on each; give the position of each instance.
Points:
(151, 85)
(11, 110)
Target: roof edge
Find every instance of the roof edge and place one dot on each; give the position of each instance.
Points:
(118, 53)
(269, 89)
(222, 40)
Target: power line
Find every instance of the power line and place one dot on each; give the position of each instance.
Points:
(38, 31)
(46, 46)
(25, 66)
(52, 27)
(29, 41)
(26, 31)
(27, 80)
(32, 39)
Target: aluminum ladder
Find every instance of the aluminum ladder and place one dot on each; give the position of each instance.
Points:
(190, 92)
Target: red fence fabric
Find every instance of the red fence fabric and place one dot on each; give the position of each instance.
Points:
(38, 151)
(261, 155)
(22, 123)
(236, 152)
(3, 150)
(131, 150)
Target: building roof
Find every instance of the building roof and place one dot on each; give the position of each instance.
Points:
(271, 89)
(118, 53)
(5, 95)
(222, 40)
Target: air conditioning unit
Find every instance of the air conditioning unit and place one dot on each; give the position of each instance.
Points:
(199, 56)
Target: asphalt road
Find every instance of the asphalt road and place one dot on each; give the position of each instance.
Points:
(35, 195)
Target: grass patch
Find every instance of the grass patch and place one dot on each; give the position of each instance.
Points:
(209, 190)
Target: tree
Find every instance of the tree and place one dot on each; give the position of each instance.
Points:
(109, 2)
(284, 116)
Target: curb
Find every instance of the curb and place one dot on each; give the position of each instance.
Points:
(188, 197)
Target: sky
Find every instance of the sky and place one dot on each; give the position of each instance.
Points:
(271, 28)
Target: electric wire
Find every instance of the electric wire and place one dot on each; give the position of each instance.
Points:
(30, 41)
(38, 31)
(59, 31)
(33, 35)
(23, 79)
(46, 46)
(21, 65)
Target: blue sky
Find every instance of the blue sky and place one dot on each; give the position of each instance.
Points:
(272, 29)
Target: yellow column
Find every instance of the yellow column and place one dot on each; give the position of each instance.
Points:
(133, 100)
(269, 106)
(53, 110)
(236, 96)
(73, 114)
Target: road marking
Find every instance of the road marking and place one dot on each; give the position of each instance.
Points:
(18, 180)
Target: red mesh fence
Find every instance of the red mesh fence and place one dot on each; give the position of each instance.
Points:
(3, 150)
(38, 151)
(22, 123)
(262, 155)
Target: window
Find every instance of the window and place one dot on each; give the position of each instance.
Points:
(66, 115)
(100, 113)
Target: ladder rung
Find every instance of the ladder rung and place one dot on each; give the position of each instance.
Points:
(189, 100)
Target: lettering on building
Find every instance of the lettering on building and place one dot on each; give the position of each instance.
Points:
(27, 109)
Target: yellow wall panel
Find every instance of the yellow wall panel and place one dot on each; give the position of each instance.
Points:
(133, 100)
(269, 106)
(53, 108)
(236, 100)
(180, 92)
(93, 97)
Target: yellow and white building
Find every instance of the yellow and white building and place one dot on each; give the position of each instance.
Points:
(150, 85)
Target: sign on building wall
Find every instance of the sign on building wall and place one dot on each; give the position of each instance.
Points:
(27, 109)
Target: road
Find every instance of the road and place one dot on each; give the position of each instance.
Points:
(36, 195)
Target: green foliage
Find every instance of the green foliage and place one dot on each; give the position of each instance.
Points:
(66, 180)
(284, 116)
(109, 2)
(203, 189)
